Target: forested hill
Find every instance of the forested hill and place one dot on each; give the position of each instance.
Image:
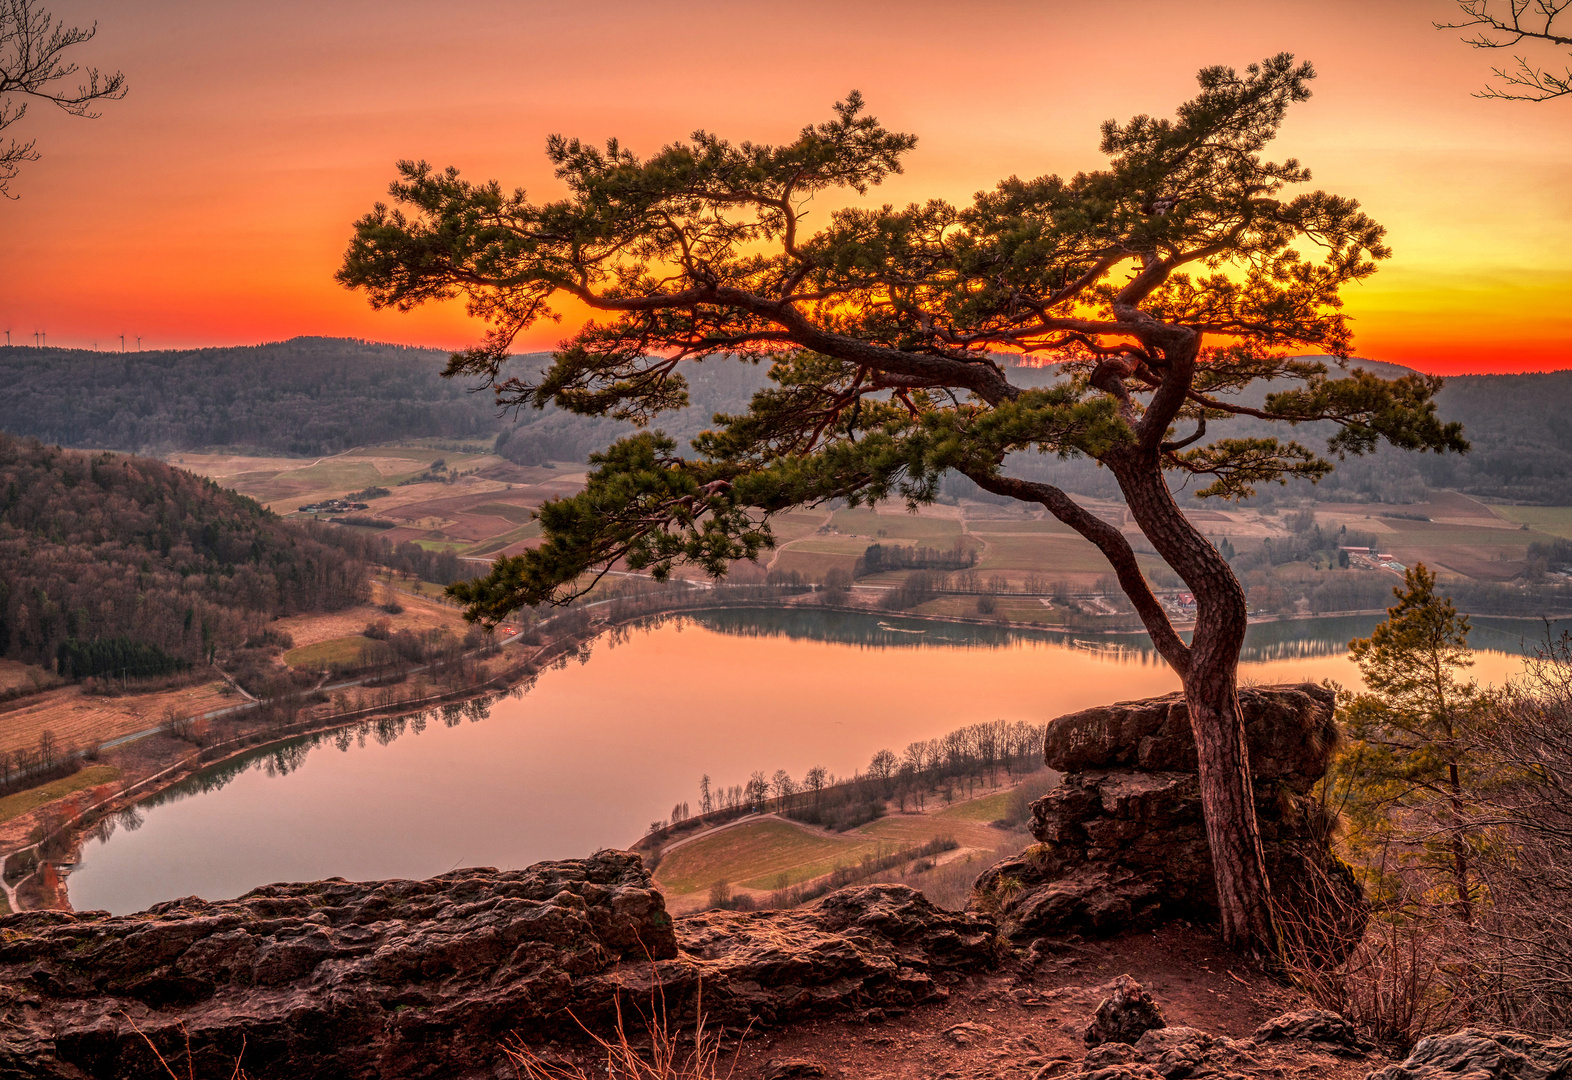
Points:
(111, 548)
(312, 396)
(306, 396)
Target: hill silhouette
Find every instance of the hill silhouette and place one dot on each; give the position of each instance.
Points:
(311, 396)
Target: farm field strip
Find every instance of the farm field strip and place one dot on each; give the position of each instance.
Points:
(1549, 520)
(78, 719)
(22, 802)
(861, 521)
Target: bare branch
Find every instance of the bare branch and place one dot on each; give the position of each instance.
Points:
(1508, 25)
(33, 65)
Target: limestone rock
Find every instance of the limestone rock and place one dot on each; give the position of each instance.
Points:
(1309, 1025)
(1290, 731)
(793, 1069)
(868, 946)
(1125, 1015)
(424, 979)
(1174, 1049)
(967, 1032)
(1474, 1054)
(1122, 840)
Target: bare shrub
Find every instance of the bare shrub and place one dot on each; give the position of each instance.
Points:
(1425, 963)
(660, 1052)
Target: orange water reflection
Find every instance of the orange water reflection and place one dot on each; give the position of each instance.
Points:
(594, 751)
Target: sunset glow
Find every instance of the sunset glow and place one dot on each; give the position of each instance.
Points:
(214, 203)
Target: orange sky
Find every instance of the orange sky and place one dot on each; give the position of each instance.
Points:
(213, 204)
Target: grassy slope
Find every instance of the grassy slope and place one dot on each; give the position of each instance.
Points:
(25, 801)
(338, 652)
(757, 852)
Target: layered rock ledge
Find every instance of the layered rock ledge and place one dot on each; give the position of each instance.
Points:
(430, 978)
(1122, 842)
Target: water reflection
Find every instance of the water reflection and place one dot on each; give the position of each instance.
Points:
(590, 753)
(1283, 639)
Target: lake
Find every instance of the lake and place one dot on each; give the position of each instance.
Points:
(598, 747)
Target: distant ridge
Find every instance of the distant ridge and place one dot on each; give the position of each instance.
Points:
(311, 395)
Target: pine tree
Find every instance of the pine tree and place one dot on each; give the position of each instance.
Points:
(1163, 286)
(1410, 766)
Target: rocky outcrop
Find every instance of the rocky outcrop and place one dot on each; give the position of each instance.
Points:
(1124, 1015)
(1473, 1054)
(428, 978)
(869, 947)
(1292, 1044)
(1122, 842)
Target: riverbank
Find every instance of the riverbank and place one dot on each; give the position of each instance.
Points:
(38, 847)
(798, 617)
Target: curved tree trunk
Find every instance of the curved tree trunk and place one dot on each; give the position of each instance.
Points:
(1208, 668)
(1212, 694)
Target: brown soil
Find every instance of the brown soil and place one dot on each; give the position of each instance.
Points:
(1032, 1016)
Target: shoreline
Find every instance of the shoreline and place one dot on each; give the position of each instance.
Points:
(503, 681)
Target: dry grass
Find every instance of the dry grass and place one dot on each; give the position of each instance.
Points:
(660, 1053)
(418, 614)
(79, 719)
(15, 675)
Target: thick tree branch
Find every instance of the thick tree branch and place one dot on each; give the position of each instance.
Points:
(1115, 548)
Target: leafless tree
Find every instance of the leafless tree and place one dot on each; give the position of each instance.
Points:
(816, 780)
(1518, 24)
(33, 64)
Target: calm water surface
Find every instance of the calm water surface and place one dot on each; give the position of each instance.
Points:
(595, 750)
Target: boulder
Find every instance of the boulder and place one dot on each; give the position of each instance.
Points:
(1122, 840)
(1322, 1042)
(429, 978)
(1290, 731)
(1124, 1015)
(1309, 1025)
(862, 947)
(1474, 1054)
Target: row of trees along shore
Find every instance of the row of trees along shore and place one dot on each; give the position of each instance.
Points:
(949, 767)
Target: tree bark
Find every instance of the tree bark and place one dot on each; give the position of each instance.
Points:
(1208, 669)
(1212, 695)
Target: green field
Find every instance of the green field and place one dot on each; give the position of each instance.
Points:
(988, 808)
(1553, 520)
(861, 521)
(1047, 554)
(756, 855)
(1430, 534)
(24, 801)
(338, 653)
